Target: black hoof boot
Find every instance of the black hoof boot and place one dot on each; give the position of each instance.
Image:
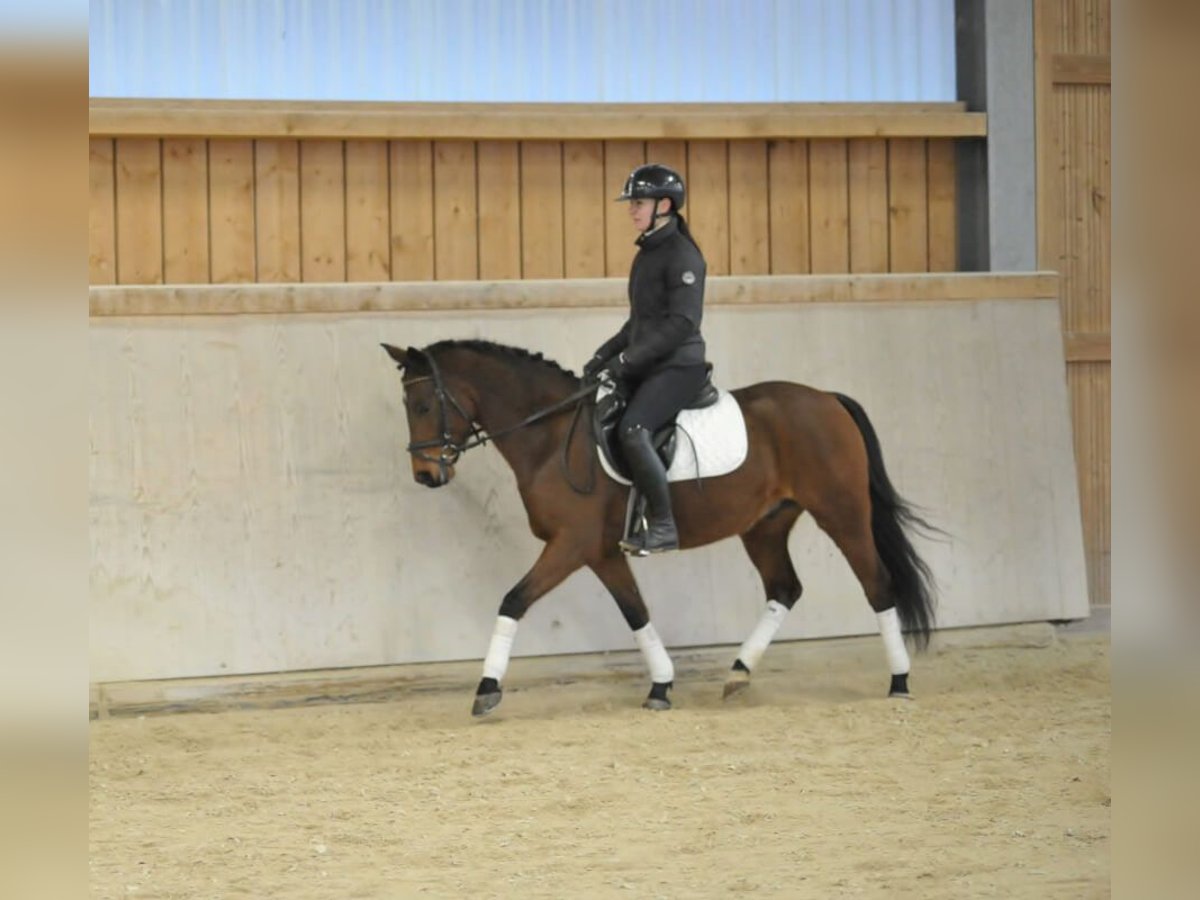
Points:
(899, 688)
(658, 696)
(487, 697)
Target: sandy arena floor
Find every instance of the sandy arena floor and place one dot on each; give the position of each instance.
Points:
(993, 783)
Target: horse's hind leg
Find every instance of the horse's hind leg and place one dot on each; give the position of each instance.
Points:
(766, 544)
(850, 528)
(615, 574)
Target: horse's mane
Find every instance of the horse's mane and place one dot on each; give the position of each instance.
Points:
(500, 351)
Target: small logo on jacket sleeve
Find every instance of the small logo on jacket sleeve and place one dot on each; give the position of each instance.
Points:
(689, 277)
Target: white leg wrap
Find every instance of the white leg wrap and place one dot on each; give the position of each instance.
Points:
(893, 641)
(662, 670)
(755, 645)
(495, 664)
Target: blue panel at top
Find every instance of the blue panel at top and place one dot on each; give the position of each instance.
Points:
(524, 50)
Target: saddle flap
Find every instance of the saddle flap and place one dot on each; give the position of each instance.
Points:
(610, 404)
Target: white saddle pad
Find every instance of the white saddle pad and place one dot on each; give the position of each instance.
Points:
(709, 442)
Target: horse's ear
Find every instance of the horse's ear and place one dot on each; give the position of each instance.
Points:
(400, 356)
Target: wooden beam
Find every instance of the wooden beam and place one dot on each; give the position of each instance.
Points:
(1081, 68)
(529, 121)
(1083, 346)
(579, 293)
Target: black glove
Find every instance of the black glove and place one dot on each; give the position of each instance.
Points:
(593, 366)
(617, 369)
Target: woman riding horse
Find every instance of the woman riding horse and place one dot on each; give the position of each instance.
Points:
(657, 358)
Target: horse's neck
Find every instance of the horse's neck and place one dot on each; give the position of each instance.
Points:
(505, 397)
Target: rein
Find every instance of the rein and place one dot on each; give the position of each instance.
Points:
(451, 450)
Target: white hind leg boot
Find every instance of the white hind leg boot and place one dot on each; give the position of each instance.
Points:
(893, 641)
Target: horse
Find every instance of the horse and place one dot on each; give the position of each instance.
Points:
(807, 451)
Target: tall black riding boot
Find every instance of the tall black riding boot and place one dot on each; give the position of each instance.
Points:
(651, 479)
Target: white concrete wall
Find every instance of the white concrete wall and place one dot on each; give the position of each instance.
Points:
(253, 510)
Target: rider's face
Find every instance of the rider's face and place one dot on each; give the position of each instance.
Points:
(641, 211)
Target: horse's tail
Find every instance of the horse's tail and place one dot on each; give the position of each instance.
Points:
(891, 518)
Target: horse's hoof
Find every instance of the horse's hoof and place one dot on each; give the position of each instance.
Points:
(657, 700)
(485, 703)
(899, 687)
(737, 682)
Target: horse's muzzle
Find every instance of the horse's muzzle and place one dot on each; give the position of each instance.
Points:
(432, 479)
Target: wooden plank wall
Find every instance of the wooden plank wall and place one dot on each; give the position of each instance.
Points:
(1073, 42)
(181, 210)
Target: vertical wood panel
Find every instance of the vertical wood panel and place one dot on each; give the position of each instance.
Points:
(102, 221)
(1099, 152)
(1074, 237)
(789, 202)
(1084, 224)
(499, 210)
(749, 209)
(368, 217)
(829, 196)
(139, 210)
(620, 158)
(943, 207)
(277, 210)
(584, 202)
(868, 206)
(672, 154)
(708, 166)
(908, 222)
(541, 209)
(455, 213)
(412, 210)
(231, 207)
(185, 210)
(322, 211)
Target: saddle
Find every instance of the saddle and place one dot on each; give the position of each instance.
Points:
(607, 414)
(605, 417)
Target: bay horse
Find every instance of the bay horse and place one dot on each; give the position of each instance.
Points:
(808, 450)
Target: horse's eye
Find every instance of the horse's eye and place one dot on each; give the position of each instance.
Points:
(421, 407)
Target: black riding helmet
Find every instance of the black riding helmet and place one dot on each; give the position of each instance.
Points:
(654, 181)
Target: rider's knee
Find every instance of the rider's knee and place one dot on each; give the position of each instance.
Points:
(633, 432)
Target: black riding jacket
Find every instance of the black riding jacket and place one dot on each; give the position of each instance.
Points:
(666, 300)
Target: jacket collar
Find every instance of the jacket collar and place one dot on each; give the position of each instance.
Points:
(655, 238)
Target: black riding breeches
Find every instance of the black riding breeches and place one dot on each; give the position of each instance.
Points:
(661, 395)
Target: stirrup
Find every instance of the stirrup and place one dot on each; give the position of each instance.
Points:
(633, 546)
(636, 546)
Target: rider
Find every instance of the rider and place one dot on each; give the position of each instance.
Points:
(657, 357)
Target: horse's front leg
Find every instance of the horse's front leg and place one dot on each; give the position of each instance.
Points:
(616, 575)
(557, 561)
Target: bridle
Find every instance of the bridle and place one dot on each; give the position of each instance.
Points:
(449, 450)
